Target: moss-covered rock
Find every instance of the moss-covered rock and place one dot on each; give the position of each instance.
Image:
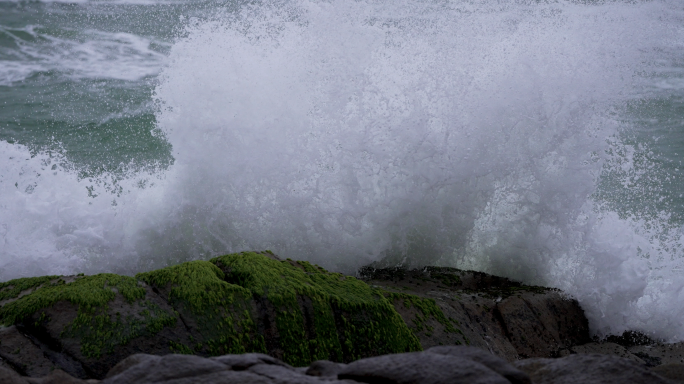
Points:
(247, 302)
(93, 321)
(317, 314)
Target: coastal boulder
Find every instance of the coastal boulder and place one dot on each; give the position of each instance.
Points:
(588, 369)
(239, 303)
(448, 306)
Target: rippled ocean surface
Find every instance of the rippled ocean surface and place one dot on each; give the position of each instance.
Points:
(540, 140)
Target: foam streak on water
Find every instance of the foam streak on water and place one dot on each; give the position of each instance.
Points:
(89, 54)
(469, 134)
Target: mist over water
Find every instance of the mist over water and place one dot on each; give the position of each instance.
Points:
(506, 137)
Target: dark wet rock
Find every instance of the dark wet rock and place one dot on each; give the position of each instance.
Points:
(90, 348)
(607, 349)
(658, 354)
(539, 325)
(9, 376)
(631, 339)
(588, 369)
(22, 355)
(651, 355)
(56, 377)
(674, 372)
(496, 364)
(509, 319)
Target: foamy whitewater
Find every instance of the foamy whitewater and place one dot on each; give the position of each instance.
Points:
(501, 136)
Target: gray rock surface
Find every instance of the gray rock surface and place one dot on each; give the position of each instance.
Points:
(130, 361)
(247, 360)
(324, 368)
(456, 365)
(449, 364)
(607, 349)
(420, 367)
(496, 364)
(169, 368)
(180, 369)
(588, 369)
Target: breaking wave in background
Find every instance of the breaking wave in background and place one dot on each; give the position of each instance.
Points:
(506, 137)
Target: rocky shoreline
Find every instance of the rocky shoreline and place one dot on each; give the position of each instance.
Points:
(252, 317)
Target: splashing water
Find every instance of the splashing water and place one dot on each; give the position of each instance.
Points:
(468, 134)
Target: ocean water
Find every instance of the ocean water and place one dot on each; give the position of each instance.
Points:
(536, 139)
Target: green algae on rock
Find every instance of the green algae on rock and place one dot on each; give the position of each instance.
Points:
(216, 314)
(339, 317)
(428, 308)
(12, 289)
(247, 302)
(90, 317)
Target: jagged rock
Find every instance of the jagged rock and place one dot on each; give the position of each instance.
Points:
(507, 318)
(540, 325)
(588, 369)
(674, 372)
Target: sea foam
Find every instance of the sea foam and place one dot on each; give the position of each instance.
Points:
(465, 134)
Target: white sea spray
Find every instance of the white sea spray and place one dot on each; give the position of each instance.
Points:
(469, 134)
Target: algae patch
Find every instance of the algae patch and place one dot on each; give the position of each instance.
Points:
(338, 317)
(217, 313)
(428, 308)
(98, 330)
(246, 302)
